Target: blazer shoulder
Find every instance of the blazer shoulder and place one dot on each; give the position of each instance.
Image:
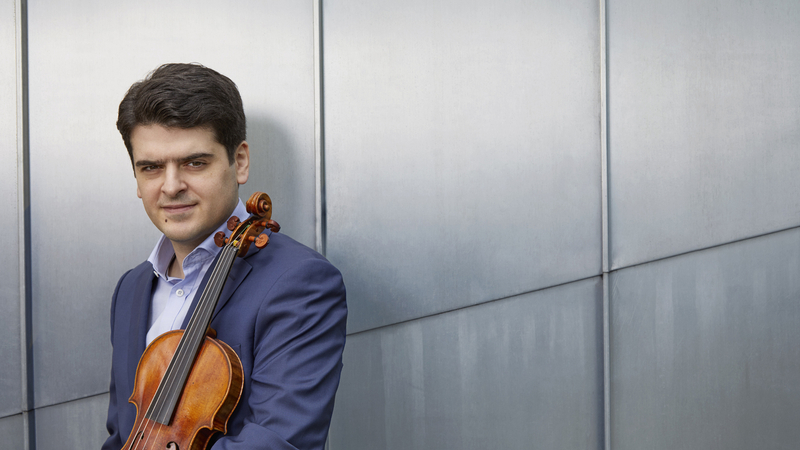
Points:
(126, 284)
(133, 275)
(284, 258)
(283, 248)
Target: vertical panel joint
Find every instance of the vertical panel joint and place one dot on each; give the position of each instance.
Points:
(319, 129)
(604, 135)
(23, 224)
(604, 153)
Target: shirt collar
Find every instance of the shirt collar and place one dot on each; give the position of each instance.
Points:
(163, 252)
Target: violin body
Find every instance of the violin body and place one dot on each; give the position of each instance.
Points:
(210, 395)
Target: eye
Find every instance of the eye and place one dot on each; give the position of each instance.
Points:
(149, 168)
(196, 164)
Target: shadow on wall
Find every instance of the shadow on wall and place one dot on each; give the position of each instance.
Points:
(384, 298)
(277, 168)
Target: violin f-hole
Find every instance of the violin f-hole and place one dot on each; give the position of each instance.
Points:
(172, 446)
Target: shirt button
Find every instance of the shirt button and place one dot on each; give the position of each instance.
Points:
(179, 292)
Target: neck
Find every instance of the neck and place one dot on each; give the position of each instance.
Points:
(181, 250)
(175, 268)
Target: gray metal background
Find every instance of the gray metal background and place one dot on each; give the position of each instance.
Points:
(705, 350)
(12, 431)
(703, 114)
(462, 150)
(517, 373)
(464, 185)
(11, 387)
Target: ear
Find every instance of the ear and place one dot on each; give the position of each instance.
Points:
(138, 192)
(241, 162)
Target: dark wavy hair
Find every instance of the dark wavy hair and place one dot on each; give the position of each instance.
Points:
(185, 96)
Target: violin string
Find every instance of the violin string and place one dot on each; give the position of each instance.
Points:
(160, 400)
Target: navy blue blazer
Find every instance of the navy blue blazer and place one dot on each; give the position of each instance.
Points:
(283, 311)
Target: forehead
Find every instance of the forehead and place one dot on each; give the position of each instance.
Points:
(157, 142)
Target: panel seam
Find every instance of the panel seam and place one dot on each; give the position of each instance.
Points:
(481, 303)
(319, 132)
(710, 247)
(606, 262)
(23, 226)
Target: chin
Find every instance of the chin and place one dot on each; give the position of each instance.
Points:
(181, 236)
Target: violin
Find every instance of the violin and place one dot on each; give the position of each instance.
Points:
(188, 382)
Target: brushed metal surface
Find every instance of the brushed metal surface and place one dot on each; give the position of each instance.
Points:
(10, 347)
(12, 431)
(524, 372)
(88, 227)
(462, 151)
(79, 424)
(706, 349)
(703, 124)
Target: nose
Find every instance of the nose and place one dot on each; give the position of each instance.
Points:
(174, 183)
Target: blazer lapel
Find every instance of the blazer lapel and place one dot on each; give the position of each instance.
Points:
(237, 274)
(241, 267)
(140, 315)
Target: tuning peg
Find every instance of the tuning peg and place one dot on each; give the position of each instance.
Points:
(262, 240)
(233, 222)
(220, 239)
(272, 225)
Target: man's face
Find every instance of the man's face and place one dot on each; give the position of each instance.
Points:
(185, 181)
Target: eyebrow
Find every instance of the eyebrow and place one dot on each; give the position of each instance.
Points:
(161, 162)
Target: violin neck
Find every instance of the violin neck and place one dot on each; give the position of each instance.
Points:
(166, 397)
(201, 318)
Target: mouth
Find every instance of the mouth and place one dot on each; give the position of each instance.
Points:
(177, 209)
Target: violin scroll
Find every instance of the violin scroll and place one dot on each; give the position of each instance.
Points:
(259, 205)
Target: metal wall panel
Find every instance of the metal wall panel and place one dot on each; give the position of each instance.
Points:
(462, 151)
(87, 224)
(79, 424)
(524, 372)
(706, 349)
(703, 124)
(12, 432)
(10, 348)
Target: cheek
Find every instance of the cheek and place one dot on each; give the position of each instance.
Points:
(214, 183)
(145, 190)
(141, 188)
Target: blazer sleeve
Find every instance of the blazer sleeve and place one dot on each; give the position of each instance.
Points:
(298, 343)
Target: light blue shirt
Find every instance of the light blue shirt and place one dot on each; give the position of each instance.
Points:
(172, 296)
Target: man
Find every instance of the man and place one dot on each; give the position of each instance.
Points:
(283, 307)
